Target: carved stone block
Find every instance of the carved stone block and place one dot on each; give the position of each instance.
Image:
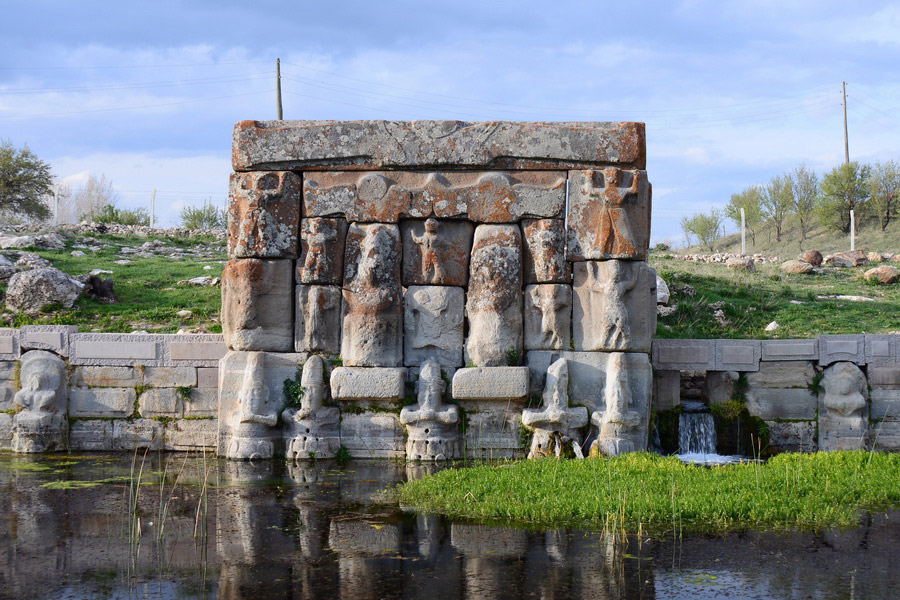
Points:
(431, 424)
(548, 316)
(317, 324)
(609, 214)
(491, 383)
(684, 355)
(313, 430)
(371, 384)
(373, 435)
(436, 252)
(263, 214)
(257, 304)
(833, 348)
(372, 310)
(433, 325)
(783, 374)
(41, 424)
(555, 424)
(322, 251)
(614, 306)
(843, 418)
(494, 301)
(545, 251)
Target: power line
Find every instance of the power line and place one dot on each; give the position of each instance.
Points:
(88, 68)
(149, 84)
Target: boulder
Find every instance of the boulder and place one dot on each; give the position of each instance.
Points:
(799, 267)
(29, 260)
(741, 262)
(853, 258)
(883, 274)
(30, 291)
(875, 256)
(662, 291)
(813, 257)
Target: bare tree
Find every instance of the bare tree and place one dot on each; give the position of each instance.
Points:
(804, 186)
(884, 190)
(778, 202)
(93, 196)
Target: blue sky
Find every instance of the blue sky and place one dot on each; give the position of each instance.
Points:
(732, 92)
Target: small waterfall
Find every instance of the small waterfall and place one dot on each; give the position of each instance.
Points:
(696, 430)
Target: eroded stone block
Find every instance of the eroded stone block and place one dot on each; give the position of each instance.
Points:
(494, 301)
(208, 377)
(493, 434)
(776, 350)
(373, 435)
(264, 214)
(843, 418)
(433, 325)
(85, 376)
(161, 402)
(609, 214)
(883, 350)
(190, 434)
(834, 348)
(257, 305)
(41, 424)
(545, 251)
(792, 436)
(548, 316)
(197, 351)
(436, 252)
(368, 383)
(491, 383)
(774, 403)
(318, 319)
(90, 434)
(372, 309)
(783, 374)
(886, 436)
(101, 402)
(54, 338)
(202, 402)
(666, 390)
(885, 404)
(170, 376)
(322, 251)
(884, 377)
(139, 434)
(738, 355)
(684, 355)
(614, 306)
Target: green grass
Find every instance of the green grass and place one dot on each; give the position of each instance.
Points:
(146, 289)
(752, 300)
(789, 491)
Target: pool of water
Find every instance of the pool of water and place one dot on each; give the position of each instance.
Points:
(74, 527)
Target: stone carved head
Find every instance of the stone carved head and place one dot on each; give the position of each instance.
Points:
(41, 425)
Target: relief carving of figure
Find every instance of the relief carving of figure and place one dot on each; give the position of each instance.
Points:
(253, 416)
(319, 303)
(40, 426)
(618, 421)
(312, 430)
(431, 424)
(549, 304)
(429, 249)
(609, 296)
(614, 235)
(429, 323)
(555, 425)
(320, 240)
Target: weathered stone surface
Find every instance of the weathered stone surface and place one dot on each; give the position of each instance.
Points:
(666, 390)
(834, 348)
(41, 424)
(368, 383)
(7, 393)
(430, 423)
(433, 325)
(548, 316)
(545, 251)
(373, 435)
(798, 267)
(494, 433)
(738, 355)
(494, 300)
(202, 402)
(318, 319)
(160, 402)
(719, 386)
(813, 257)
(741, 263)
(372, 310)
(196, 351)
(30, 291)
(555, 425)
(101, 402)
(662, 291)
(436, 252)
(843, 418)
(191, 434)
(208, 377)
(320, 145)
(322, 251)
(86, 376)
(6, 431)
(264, 214)
(783, 374)
(170, 376)
(138, 434)
(491, 383)
(251, 399)
(792, 436)
(882, 350)
(313, 430)
(609, 214)
(54, 338)
(614, 306)
(623, 419)
(886, 436)
(9, 344)
(885, 377)
(852, 258)
(778, 350)
(111, 349)
(885, 404)
(257, 307)
(884, 274)
(684, 355)
(90, 434)
(774, 403)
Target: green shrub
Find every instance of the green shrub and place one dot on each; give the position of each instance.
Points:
(202, 217)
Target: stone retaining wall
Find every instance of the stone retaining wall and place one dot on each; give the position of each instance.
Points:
(831, 392)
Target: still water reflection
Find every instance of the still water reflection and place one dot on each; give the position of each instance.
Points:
(285, 531)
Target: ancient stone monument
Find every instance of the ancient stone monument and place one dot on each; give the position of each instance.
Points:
(430, 278)
(41, 425)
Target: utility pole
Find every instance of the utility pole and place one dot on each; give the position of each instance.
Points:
(152, 206)
(846, 141)
(278, 88)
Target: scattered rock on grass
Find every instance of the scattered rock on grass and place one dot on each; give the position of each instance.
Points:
(76, 253)
(847, 298)
(30, 291)
(184, 314)
(813, 257)
(202, 281)
(853, 258)
(799, 267)
(684, 289)
(665, 311)
(662, 289)
(772, 326)
(883, 274)
(875, 256)
(741, 262)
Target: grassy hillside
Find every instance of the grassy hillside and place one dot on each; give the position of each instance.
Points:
(869, 238)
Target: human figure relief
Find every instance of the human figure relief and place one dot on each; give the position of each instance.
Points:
(318, 304)
(618, 421)
(610, 294)
(548, 304)
(40, 425)
(431, 424)
(614, 234)
(429, 322)
(320, 237)
(253, 397)
(428, 244)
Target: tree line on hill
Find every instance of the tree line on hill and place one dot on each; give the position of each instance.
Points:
(799, 199)
(29, 194)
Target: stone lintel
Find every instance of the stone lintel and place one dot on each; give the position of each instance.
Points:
(684, 355)
(773, 350)
(738, 355)
(491, 383)
(834, 348)
(368, 383)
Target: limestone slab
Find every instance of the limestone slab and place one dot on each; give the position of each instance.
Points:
(885, 404)
(101, 402)
(90, 434)
(609, 214)
(322, 251)
(666, 390)
(792, 436)
(886, 436)
(548, 316)
(197, 351)
(202, 402)
(883, 350)
(54, 338)
(773, 403)
(190, 434)
(774, 350)
(614, 306)
(738, 355)
(86, 376)
(368, 383)
(494, 299)
(884, 377)
(372, 308)
(138, 434)
(491, 383)
(161, 402)
(317, 322)
(719, 386)
(208, 377)
(436, 251)
(9, 344)
(783, 374)
(545, 251)
(367, 145)
(373, 435)
(264, 214)
(170, 376)
(834, 348)
(257, 304)
(433, 325)
(140, 351)
(493, 434)
(684, 355)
